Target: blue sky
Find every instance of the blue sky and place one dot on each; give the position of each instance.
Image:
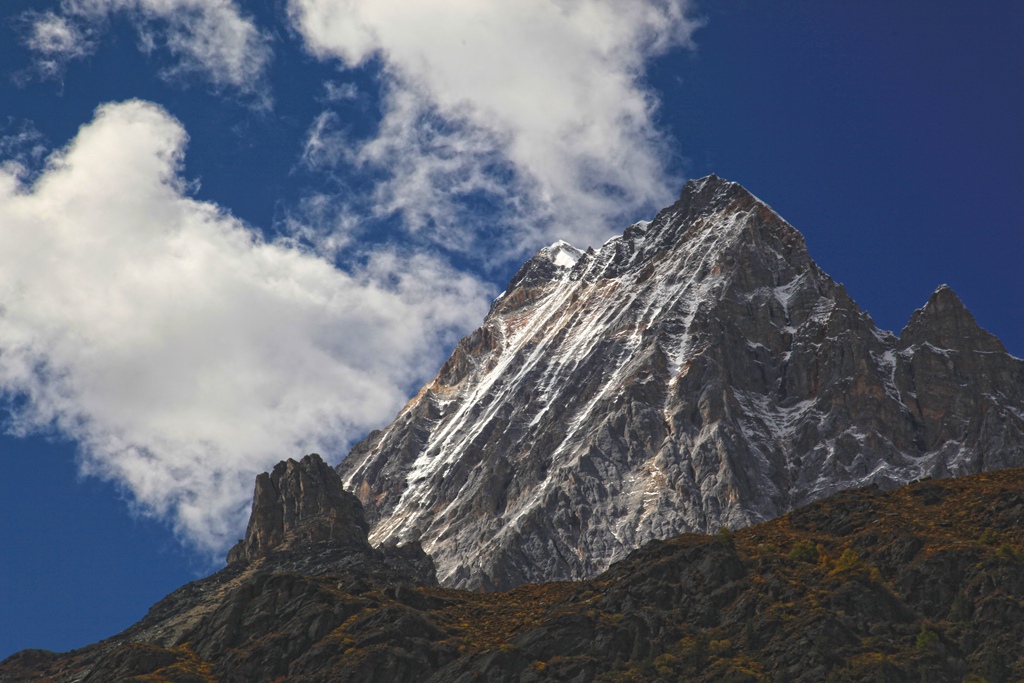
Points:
(237, 233)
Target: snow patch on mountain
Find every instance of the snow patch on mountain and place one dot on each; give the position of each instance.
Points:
(697, 371)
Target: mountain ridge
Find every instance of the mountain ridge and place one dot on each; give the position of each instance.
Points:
(682, 377)
(921, 583)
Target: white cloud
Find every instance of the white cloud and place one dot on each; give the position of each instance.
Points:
(552, 87)
(55, 35)
(212, 37)
(55, 40)
(324, 143)
(339, 92)
(182, 352)
(23, 148)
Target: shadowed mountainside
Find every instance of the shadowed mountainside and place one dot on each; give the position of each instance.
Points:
(922, 583)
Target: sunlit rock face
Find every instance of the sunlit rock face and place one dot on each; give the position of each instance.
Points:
(699, 371)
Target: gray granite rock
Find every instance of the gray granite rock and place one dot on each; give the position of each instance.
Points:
(298, 504)
(699, 371)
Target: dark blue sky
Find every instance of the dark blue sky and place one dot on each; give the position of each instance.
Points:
(889, 134)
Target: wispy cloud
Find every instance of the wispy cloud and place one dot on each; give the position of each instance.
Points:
(54, 35)
(22, 147)
(181, 351)
(210, 37)
(535, 108)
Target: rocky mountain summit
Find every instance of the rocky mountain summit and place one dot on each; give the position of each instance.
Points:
(699, 371)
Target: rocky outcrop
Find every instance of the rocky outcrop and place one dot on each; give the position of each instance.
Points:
(300, 503)
(304, 521)
(304, 546)
(699, 371)
(303, 524)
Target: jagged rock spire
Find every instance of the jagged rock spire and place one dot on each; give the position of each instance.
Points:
(300, 503)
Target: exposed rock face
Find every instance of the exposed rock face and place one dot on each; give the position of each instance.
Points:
(698, 371)
(304, 521)
(300, 503)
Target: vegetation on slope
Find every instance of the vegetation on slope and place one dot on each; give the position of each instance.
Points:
(923, 583)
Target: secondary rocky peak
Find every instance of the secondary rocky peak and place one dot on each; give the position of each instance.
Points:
(945, 323)
(300, 503)
(563, 254)
(545, 265)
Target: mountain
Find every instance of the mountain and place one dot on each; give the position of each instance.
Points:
(923, 583)
(698, 372)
